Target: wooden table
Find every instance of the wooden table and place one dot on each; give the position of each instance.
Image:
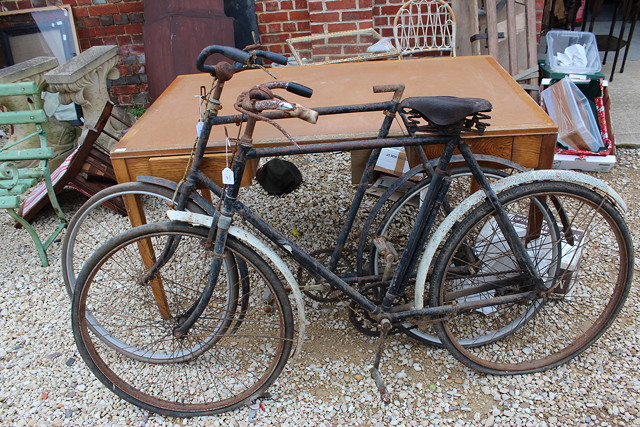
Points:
(160, 142)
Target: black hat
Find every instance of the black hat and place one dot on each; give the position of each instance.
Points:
(279, 176)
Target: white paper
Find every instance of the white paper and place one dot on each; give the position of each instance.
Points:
(573, 56)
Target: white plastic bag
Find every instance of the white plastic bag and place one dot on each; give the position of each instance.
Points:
(570, 109)
(381, 46)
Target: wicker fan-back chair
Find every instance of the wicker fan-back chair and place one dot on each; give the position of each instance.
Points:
(425, 26)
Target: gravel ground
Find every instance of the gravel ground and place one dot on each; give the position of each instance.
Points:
(43, 380)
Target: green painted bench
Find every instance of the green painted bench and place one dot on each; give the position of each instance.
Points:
(16, 179)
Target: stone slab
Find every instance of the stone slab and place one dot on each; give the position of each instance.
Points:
(81, 65)
(26, 69)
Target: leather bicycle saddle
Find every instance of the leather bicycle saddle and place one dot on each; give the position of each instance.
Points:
(445, 110)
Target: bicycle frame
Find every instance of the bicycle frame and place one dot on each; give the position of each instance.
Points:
(230, 206)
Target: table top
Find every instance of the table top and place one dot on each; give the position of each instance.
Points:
(168, 126)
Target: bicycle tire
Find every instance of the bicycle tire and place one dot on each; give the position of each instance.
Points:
(397, 222)
(576, 308)
(240, 365)
(88, 228)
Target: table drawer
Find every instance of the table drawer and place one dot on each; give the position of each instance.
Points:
(173, 167)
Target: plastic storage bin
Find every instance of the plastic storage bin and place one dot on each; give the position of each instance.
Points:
(573, 52)
(569, 108)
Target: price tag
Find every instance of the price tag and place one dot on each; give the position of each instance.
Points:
(227, 176)
(199, 127)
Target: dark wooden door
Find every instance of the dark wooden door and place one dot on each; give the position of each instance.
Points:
(175, 31)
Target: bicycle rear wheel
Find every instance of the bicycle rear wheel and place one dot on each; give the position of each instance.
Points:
(228, 358)
(579, 303)
(396, 227)
(94, 224)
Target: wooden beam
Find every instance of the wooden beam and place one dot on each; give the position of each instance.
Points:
(466, 26)
(532, 41)
(512, 36)
(492, 28)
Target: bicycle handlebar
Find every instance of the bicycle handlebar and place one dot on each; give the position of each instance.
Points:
(273, 57)
(232, 53)
(260, 98)
(239, 56)
(292, 87)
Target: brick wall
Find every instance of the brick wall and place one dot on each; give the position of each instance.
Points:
(540, 10)
(108, 22)
(279, 20)
(384, 12)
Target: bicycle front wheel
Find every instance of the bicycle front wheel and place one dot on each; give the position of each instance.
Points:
(229, 357)
(94, 223)
(579, 302)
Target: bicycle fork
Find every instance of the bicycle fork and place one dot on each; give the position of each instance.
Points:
(221, 230)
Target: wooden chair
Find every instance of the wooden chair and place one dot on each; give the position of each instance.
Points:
(88, 169)
(16, 180)
(425, 26)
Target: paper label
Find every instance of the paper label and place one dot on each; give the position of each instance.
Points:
(199, 127)
(579, 77)
(227, 176)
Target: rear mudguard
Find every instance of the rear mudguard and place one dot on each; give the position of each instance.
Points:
(263, 250)
(480, 197)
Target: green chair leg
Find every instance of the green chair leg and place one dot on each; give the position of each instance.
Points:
(34, 236)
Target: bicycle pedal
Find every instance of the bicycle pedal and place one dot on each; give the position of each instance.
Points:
(385, 247)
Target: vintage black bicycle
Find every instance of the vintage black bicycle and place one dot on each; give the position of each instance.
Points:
(193, 317)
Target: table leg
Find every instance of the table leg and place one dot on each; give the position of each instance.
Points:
(135, 210)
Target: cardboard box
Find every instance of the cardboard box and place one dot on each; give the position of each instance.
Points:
(392, 161)
(492, 245)
(382, 184)
(584, 163)
(571, 257)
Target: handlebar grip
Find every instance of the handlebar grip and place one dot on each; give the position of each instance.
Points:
(232, 53)
(306, 114)
(299, 89)
(288, 109)
(273, 57)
